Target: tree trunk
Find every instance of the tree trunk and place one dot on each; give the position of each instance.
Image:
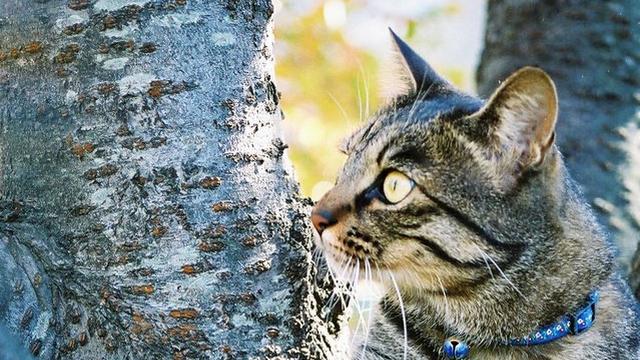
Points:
(592, 50)
(146, 207)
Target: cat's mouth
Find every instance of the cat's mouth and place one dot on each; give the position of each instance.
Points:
(349, 257)
(350, 243)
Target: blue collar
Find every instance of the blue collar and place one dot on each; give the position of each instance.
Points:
(570, 324)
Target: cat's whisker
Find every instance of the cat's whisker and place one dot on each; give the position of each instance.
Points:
(341, 108)
(345, 271)
(413, 107)
(402, 313)
(359, 324)
(421, 95)
(356, 276)
(334, 276)
(369, 278)
(444, 294)
(345, 277)
(428, 90)
(484, 257)
(365, 80)
(333, 300)
(356, 303)
(331, 273)
(355, 333)
(501, 272)
(358, 307)
(360, 110)
(366, 97)
(418, 99)
(348, 285)
(339, 290)
(321, 266)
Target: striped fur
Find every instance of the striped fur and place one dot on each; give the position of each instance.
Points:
(494, 240)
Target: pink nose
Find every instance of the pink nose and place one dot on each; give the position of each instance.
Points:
(322, 219)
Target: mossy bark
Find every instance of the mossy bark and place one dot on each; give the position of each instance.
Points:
(592, 51)
(146, 206)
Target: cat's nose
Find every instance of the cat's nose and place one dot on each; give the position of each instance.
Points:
(322, 219)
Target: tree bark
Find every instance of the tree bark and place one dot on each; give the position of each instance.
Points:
(146, 207)
(592, 51)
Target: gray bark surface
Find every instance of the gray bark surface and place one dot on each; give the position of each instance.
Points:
(592, 50)
(146, 207)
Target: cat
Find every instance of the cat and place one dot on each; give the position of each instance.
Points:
(464, 210)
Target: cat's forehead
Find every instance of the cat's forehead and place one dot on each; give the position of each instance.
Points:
(409, 116)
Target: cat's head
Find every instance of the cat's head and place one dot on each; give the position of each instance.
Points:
(439, 185)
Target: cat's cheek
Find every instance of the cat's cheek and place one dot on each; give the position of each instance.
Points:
(329, 239)
(331, 246)
(317, 240)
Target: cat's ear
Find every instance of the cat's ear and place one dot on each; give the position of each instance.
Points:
(416, 70)
(519, 120)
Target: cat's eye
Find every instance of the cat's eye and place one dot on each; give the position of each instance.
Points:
(396, 186)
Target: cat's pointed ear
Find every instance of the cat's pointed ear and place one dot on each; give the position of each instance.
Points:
(417, 70)
(520, 119)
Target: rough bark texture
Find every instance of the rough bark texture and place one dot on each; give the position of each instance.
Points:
(592, 51)
(146, 208)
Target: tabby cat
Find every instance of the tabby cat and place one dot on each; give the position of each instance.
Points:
(483, 243)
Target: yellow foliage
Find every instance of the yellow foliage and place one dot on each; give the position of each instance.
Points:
(327, 83)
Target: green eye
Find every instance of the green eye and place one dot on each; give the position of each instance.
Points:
(396, 186)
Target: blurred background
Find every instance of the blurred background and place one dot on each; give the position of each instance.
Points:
(334, 66)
